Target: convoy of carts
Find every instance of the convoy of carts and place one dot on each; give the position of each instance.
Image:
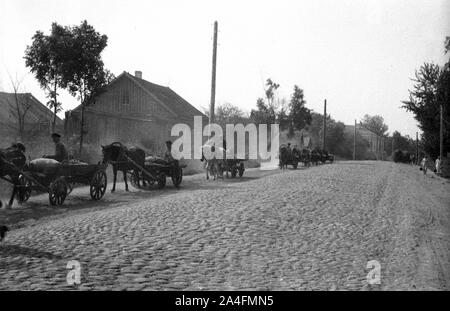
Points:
(59, 180)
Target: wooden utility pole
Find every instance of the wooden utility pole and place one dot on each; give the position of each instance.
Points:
(213, 78)
(81, 128)
(441, 134)
(324, 145)
(354, 143)
(417, 147)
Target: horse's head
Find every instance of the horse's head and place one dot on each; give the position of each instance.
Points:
(11, 159)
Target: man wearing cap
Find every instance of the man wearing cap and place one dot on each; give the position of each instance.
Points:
(60, 150)
(168, 154)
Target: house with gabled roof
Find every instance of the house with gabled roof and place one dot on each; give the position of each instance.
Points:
(37, 118)
(133, 111)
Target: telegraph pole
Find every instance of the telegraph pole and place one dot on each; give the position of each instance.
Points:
(417, 147)
(213, 78)
(441, 134)
(354, 143)
(324, 145)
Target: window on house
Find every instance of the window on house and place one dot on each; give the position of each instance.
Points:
(125, 98)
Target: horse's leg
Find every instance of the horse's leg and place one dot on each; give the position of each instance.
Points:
(124, 172)
(11, 200)
(144, 182)
(207, 171)
(114, 178)
(136, 174)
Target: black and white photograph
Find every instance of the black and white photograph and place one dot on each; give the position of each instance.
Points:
(225, 147)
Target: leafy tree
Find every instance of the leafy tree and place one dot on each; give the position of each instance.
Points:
(270, 90)
(431, 89)
(404, 143)
(299, 115)
(45, 57)
(85, 74)
(375, 124)
(335, 137)
(263, 114)
(230, 114)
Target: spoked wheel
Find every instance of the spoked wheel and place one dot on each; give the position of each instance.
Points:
(134, 179)
(58, 191)
(24, 192)
(98, 185)
(177, 176)
(161, 180)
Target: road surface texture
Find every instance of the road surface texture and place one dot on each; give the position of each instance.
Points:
(306, 229)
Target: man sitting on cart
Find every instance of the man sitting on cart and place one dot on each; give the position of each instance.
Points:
(60, 150)
(168, 154)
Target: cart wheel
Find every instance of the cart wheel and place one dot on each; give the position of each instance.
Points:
(134, 178)
(98, 185)
(161, 179)
(24, 192)
(241, 169)
(177, 176)
(58, 191)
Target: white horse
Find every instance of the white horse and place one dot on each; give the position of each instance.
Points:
(214, 158)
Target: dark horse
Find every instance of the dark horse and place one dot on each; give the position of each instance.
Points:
(284, 156)
(122, 159)
(12, 160)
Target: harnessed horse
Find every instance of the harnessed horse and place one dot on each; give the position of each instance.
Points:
(214, 163)
(123, 159)
(12, 160)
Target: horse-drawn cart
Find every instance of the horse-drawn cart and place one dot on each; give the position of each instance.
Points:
(233, 166)
(289, 156)
(58, 181)
(154, 173)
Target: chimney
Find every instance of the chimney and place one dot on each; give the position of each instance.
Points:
(138, 74)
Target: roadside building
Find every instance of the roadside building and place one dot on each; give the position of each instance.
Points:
(133, 111)
(25, 109)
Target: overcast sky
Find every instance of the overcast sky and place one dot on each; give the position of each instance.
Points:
(359, 55)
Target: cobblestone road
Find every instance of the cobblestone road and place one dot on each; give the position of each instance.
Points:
(310, 229)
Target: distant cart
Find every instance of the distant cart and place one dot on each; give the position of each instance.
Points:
(234, 167)
(155, 172)
(59, 181)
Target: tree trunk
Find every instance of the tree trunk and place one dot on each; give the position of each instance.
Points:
(82, 128)
(55, 108)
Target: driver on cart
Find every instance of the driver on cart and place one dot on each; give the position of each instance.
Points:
(168, 154)
(60, 150)
(289, 150)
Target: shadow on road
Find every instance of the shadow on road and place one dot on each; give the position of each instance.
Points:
(79, 200)
(17, 250)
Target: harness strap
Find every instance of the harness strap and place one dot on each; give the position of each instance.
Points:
(139, 167)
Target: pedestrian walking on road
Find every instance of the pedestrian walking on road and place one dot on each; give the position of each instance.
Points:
(438, 166)
(424, 165)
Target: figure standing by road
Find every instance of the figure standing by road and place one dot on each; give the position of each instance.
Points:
(60, 150)
(438, 166)
(424, 164)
